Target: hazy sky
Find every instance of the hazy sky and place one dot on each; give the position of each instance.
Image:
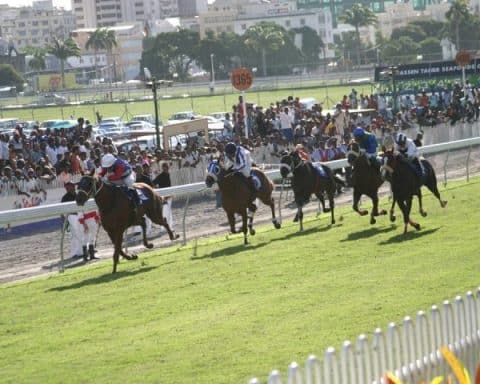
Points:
(17, 3)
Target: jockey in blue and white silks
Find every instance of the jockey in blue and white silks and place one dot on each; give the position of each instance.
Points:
(367, 143)
(408, 149)
(239, 158)
(240, 161)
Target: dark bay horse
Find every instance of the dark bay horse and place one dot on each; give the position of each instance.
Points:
(117, 212)
(308, 180)
(406, 183)
(236, 196)
(366, 180)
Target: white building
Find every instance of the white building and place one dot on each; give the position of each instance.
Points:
(35, 25)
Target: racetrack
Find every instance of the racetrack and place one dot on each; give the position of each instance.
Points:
(28, 256)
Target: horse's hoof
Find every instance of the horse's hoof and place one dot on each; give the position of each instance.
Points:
(333, 222)
(325, 210)
(393, 218)
(295, 219)
(423, 213)
(416, 226)
(383, 212)
(149, 245)
(443, 203)
(277, 225)
(373, 221)
(133, 256)
(363, 213)
(252, 232)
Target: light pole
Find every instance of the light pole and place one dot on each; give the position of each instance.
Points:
(212, 84)
(153, 83)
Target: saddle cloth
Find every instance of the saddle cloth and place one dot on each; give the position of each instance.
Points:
(257, 182)
(320, 171)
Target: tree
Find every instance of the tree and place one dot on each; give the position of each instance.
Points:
(401, 51)
(10, 77)
(413, 31)
(312, 45)
(265, 37)
(457, 15)
(96, 41)
(358, 16)
(37, 62)
(431, 48)
(62, 50)
(110, 40)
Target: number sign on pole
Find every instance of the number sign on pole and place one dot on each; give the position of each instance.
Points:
(242, 79)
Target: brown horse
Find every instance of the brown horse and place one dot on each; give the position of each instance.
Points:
(117, 212)
(236, 196)
(406, 183)
(366, 180)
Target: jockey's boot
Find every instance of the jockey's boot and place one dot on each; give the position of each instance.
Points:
(135, 200)
(419, 170)
(85, 254)
(91, 252)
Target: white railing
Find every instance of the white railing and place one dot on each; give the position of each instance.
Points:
(411, 350)
(11, 217)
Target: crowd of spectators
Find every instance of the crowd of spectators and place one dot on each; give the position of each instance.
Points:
(31, 164)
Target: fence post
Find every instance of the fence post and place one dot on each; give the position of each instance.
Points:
(294, 374)
(363, 360)
(312, 370)
(379, 356)
(184, 227)
(468, 163)
(423, 344)
(330, 367)
(62, 238)
(275, 377)
(348, 363)
(409, 352)
(445, 169)
(395, 346)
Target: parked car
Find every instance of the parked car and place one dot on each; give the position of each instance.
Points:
(148, 118)
(112, 130)
(182, 116)
(108, 120)
(307, 103)
(51, 98)
(48, 123)
(218, 115)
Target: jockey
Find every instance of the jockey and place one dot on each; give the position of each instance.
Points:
(119, 172)
(241, 163)
(304, 155)
(408, 149)
(367, 143)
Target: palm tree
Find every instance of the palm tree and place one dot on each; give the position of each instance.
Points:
(96, 41)
(263, 37)
(457, 15)
(62, 50)
(37, 62)
(110, 40)
(358, 16)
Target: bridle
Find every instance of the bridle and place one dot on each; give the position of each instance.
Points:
(93, 191)
(290, 166)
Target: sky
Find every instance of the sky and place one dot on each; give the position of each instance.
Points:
(18, 3)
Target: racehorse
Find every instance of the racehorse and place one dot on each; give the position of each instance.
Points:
(366, 180)
(117, 212)
(308, 179)
(406, 183)
(236, 196)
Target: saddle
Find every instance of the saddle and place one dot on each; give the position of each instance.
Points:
(135, 195)
(320, 170)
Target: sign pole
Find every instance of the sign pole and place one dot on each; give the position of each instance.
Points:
(245, 114)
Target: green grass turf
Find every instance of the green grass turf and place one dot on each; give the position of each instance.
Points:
(233, 312)
(202, 105)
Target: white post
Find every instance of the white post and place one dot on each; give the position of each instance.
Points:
(245, 114)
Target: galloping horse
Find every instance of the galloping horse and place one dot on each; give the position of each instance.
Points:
(117, 212)
(236, 196)
(406, 183)
(366, 180)
(308, 179)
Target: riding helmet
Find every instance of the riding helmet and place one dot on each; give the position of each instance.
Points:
(230, 149)
(401, 139)
(359, 131)
(108, 160)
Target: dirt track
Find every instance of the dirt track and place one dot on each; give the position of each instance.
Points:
(39, 254)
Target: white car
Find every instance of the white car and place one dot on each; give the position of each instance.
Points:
(112, 129)
(218, 115)
(182, 116)
(148, 118)
(108, 120)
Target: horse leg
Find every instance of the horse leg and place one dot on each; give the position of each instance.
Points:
(331, 202)
(321, 199)
(392, 211)
(431, 183)
(403, 208)
(300, 217)
(244, 227)
(356, 200)
(275, 222)
(143, 225)
(250, 214)
(420, 205)
(117, 240)
(409, 207)
(231, 221)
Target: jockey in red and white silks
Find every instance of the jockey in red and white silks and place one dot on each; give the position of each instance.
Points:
(117, 171)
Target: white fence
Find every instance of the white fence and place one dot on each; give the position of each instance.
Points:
(411, 350)
(11, 217)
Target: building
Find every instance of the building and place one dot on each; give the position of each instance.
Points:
(123, 62)
(238, 16)
(105, 13)
(35, 25)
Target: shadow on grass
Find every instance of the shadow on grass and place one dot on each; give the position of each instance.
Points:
(366, 233)
(102, 279)
(229, 251)
(410, 235)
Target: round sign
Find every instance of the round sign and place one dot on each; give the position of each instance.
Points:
(242, 78)
(463, 58)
